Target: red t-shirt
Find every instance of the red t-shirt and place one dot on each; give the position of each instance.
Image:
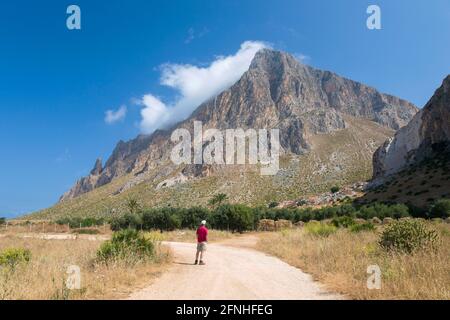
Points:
(202, 234)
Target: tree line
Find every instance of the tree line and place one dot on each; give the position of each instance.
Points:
(239, 217)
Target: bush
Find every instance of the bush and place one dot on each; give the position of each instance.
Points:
(415, 211)
(335, 189)
(12, 257)
(343, 222)
(273, 204)
(440, 209)
(362, 227)
(234, 217)
(408, 236)
(127, 221)
(164, 219)
(320, 229)
(2, 221)
(382, 210)
(191, 218)
(127, 245)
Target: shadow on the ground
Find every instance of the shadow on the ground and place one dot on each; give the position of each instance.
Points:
(185, 263)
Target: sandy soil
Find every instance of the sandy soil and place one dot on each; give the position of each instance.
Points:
(231, 273)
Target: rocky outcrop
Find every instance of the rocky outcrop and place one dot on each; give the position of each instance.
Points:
(98, 167)
(276, 92)
(85, 183)
(430, 128)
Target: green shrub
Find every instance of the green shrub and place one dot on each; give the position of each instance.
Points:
(344, 221)
(191, 218)
(408, 236)
(335, 189)
(368, 226)
(234, 217)
(2, 221)
(14, 256)
(320, 229)
(126, 245)
(382, 210)
(164, 219)
(440, 209)
(273, 204)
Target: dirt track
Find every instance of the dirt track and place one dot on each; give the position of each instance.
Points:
(231, 273)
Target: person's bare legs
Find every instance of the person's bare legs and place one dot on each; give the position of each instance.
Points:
(202, 254)
(197, 256)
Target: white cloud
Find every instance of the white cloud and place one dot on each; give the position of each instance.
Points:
(112, 116)
(154, 113)
(194, 86)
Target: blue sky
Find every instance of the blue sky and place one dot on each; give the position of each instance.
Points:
(56, 84)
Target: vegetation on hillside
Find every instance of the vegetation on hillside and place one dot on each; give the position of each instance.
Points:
(419, 185)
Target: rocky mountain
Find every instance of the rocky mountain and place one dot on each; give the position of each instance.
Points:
(428, 131)
(276, 92)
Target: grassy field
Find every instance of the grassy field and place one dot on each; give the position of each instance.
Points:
(340, 262)
(44, 276)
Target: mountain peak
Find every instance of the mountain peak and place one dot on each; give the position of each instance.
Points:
(268, 59)
(277, 91)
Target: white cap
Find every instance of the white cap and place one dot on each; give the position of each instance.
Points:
(204, 222)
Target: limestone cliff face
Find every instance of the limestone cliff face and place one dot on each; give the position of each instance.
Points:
(429, 127)
(276, 92)
(86, 183)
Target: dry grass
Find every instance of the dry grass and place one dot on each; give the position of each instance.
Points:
(45, 275)
(47, 227)
(340, 262)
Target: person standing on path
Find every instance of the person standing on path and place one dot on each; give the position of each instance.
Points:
(202, 239)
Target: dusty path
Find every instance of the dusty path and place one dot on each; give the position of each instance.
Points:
(231, 273)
